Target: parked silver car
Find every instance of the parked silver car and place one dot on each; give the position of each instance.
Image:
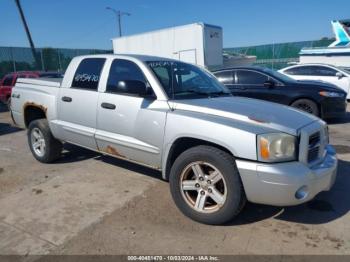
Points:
(217, 150)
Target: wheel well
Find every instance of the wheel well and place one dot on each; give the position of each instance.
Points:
(33, 112)
(181, 145)
(308, 98)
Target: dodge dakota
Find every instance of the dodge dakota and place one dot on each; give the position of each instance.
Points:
(217, 151)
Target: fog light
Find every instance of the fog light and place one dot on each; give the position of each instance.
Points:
(302, 193)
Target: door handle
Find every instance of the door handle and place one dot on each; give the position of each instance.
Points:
(66, 99)
(108, 106)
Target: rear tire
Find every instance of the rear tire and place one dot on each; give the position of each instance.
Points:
(307, 106)
(45, 148)
(206, 186)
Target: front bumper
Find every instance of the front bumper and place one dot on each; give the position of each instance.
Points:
(333, 107)
(277, 184)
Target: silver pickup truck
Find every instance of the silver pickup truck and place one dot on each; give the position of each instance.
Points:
(217, 151)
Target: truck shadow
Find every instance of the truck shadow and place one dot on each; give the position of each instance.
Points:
(326, 207)
(72, 153)
(3, 108)
(6, 128)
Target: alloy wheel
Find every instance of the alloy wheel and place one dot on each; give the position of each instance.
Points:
(203, 187)
(38, 142)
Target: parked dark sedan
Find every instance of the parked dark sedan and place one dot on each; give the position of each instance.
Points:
(318, 98)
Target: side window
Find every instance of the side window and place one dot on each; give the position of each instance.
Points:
(250, 78)
(8, 80)
(324, 71)
(225, 77)
(88, 74)
(123, 70)
(292, 71)
(301, 71)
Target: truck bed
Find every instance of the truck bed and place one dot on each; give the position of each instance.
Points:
(52, 82)
(35, 92)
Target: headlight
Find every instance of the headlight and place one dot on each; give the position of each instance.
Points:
(331, 94)
(276, 147)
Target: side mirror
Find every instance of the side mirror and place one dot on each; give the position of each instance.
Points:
(136, 87)
(339, 75)
(269, 84)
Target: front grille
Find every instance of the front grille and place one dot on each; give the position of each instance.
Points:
(314, 147)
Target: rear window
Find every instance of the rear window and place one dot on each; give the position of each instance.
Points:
(304, 71)
(311, 71)
(88, 74)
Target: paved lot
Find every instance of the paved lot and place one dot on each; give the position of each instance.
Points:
(92, 204)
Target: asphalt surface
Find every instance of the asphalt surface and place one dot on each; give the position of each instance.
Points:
(87, 203)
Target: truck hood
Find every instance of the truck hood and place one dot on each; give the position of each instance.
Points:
(270, 115)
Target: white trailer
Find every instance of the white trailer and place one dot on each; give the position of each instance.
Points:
(197, 43)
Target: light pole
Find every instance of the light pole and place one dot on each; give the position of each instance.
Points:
(26, 28)
(119, 15)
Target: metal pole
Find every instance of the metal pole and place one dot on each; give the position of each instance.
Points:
(120, 23)
(59, 60)
(26, 28)
(42, 60)
(13, 60)
(273, 53)
(119, 15)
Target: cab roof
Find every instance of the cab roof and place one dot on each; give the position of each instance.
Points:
(144, 58)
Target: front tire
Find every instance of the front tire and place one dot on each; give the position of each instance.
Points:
(206, 186)
(307, 106)
(44, 147)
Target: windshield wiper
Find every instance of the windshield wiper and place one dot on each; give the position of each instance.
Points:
(207, 94)
(192, 92)
(219, 93)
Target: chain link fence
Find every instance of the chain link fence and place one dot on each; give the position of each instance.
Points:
(13, 59)
(277, 56)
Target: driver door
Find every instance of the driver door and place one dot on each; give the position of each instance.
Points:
(128, 125)
(250, 83)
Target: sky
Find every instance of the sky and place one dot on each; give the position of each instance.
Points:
(88, 24)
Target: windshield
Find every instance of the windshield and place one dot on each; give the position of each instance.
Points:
(345, 69)
(278, 75)
(185, 81)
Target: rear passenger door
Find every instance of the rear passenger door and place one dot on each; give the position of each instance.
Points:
(77, 105)
(129, 125)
